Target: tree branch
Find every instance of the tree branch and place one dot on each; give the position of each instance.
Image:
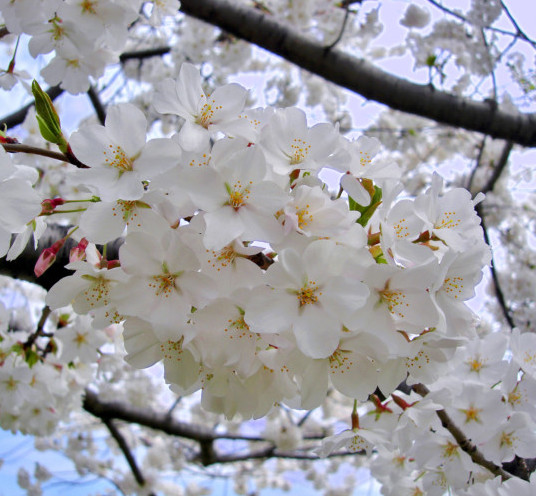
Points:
(144, 54)
(205, 436)
(123, 446)
(18, 117)
(362, 77)
(497, 171)
(464, 443)
(62, 157)
(97, 104)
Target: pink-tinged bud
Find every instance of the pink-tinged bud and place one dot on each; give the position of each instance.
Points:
(380, 407)
(47, 258)
(48, 205)
(78, 253)
(402, 403)
(112, 264)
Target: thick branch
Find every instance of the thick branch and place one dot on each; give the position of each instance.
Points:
(361, 76)
(205, 436)
(23, 266)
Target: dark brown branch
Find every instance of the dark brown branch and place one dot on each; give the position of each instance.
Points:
(362, 77)
(155, 420)
(22, 267)
(205, 436)
(464, 443)
(3, 32)
(97, 104)
(497, 171)
(40, 327)
(33, 150)
(144, 54)
(123, 446)
(18, 117)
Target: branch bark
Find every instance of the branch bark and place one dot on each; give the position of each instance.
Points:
(205, 436)
(362, 77)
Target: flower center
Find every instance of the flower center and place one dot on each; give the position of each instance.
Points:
(207, 113)
(472, 414)
(448, 221)
(164, 284)
(238, 194)
(395, 301)
(299, 151)
(307, 294)
(116, 157)
(304, 217)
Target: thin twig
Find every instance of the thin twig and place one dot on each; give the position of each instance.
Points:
(123, 446)
(520, 32)
(343, 27)
(498, 289)
(33, 150)
(464, 443)
(40, 328)
(491, 64)
(457, 15)
(477, 164)
(499, 168)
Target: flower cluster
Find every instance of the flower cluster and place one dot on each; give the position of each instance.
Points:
(246, 276)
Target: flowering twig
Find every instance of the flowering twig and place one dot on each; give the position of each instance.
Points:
(464, 443)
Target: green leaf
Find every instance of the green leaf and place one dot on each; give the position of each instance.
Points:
(31, 358)
(47, 118)
(17, 348)
(368, 210)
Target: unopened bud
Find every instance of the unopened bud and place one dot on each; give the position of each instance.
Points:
(47, 257)
(48, 205)
(79, 251)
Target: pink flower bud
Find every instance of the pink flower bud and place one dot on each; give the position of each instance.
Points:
(79, 251)
(112, 264)
(47, 258)
(48, 205)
